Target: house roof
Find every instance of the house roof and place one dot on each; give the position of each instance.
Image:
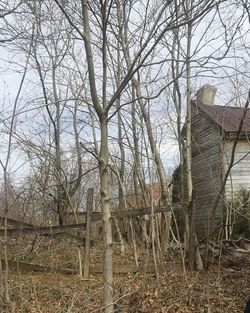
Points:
(228, 118)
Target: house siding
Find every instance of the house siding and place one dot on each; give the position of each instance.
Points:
(211, 154)
(206, 169)
(240, 173)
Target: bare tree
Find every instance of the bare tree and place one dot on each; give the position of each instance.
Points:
(5, 164)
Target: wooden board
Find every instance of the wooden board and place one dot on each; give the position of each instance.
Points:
(14, 222)
(47, 230)
(94, 268)
(97, 216)
(28, 267)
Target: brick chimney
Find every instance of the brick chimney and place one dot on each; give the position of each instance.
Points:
(206, 94)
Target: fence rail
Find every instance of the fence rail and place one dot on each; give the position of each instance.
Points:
(47, 230)
(95, 217)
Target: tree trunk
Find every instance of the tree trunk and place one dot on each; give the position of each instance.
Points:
(159, 165)
(106, 216)
(190, 237)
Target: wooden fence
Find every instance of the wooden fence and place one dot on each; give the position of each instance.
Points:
(90, 217)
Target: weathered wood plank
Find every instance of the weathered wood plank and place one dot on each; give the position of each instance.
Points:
(144, 211)
(47, 230)
(206, 168)
(94, 268)
(28, 267)
(97, 216)
(14, 222)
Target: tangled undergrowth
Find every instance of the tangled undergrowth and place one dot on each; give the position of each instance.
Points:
(138, 293)
(221, 289)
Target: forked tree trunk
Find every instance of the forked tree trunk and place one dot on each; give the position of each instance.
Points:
(103, 157)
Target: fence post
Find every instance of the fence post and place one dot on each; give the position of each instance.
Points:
(90, 204)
